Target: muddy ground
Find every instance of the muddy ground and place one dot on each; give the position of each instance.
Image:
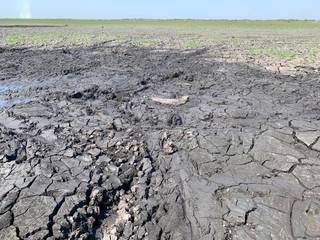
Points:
(85, 153)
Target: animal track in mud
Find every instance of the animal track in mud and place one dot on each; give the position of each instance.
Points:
(92, 156)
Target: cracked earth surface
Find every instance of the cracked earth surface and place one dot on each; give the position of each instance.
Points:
(86, 154)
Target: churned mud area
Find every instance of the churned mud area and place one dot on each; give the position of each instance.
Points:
(114, 142)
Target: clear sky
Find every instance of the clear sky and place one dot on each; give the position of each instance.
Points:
(203, 9)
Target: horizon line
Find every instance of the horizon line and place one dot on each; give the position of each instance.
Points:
(170, 19)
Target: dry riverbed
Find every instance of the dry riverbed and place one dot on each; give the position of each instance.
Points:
(118, 142)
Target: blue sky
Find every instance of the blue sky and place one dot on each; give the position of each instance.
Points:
(203, 9)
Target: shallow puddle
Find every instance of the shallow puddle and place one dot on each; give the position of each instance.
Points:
(2, 103)
(4, 89)
(9, 87)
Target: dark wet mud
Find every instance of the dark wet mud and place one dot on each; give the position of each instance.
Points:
(91, 155)
(30, 26)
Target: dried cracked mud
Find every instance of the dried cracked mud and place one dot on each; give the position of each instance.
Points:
(85, 153)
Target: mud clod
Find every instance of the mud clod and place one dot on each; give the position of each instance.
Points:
(175, 120)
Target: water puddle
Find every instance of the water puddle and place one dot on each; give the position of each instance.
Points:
(5, 89)
(2, 103)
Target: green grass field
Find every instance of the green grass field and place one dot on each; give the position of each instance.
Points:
(246, 24)
(283, 41)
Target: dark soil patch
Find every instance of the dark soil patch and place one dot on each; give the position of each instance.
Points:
(31, 26)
